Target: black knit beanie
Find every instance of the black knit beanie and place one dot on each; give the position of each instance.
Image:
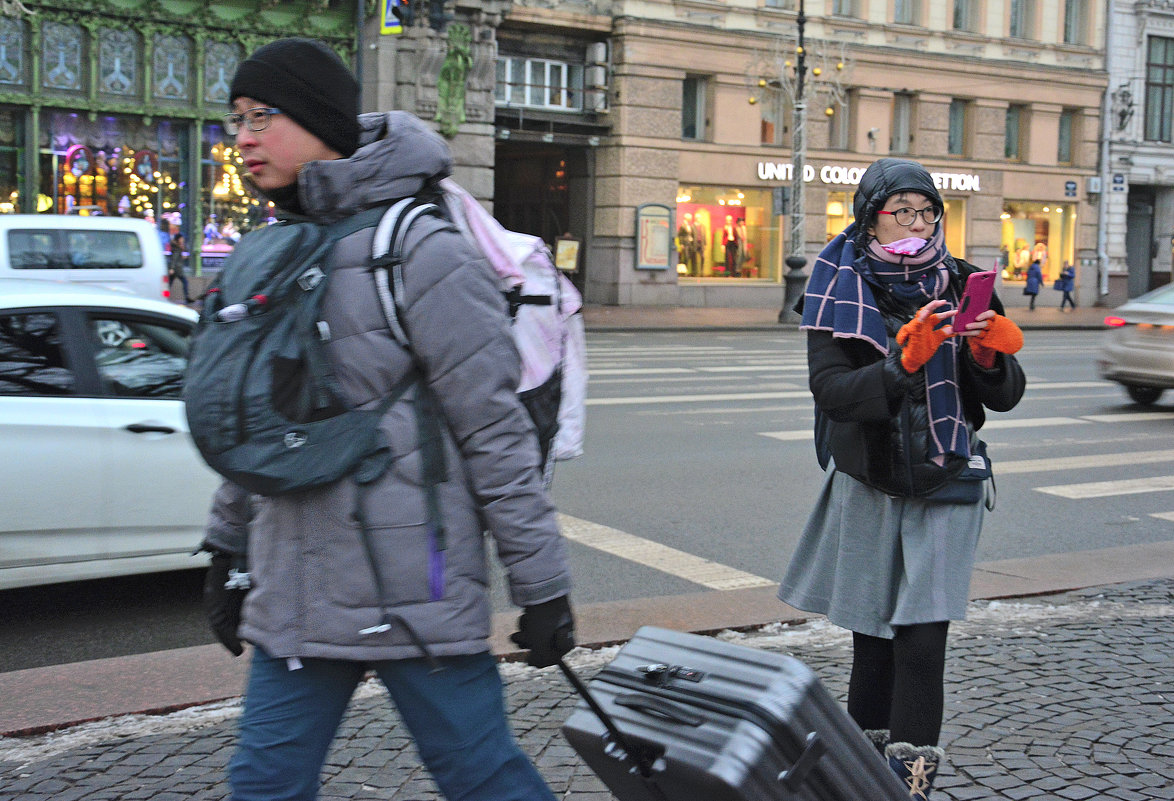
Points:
(309, 82)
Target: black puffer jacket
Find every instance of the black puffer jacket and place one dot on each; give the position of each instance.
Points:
(875, 423)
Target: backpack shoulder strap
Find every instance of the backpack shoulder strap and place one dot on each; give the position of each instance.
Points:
(387, 259)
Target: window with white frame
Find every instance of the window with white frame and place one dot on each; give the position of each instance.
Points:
(1159, 89)
(845, 8)
(1076, 21)
(902, 125)
(1022, 19)
(956, 135)
(907, 12)
(539, 83)
(966, 15)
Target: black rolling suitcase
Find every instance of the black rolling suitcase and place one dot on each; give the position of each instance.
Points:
(679, 717)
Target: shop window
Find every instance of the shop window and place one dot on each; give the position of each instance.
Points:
(954, 226)
(1064, 147)
(726, 232)
(1043, 232)
(1022, 21)
(1016, 119)
(11, 159)
(118, 62)
(13, 63)
(694, 91)
(1076, 22)
(1159, 89)
(956, 136)
(966, 15)
(172, 67)
(61, 63)
(220, 62)
(902, 123)
(907, 12)
(539, 83)
(839, 213)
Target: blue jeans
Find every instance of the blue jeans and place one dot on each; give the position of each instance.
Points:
(456, 716)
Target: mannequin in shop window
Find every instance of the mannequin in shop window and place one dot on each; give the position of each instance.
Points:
(743, 247)
(687, 244)
(730, 242)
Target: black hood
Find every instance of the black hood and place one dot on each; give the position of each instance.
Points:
(885, 178)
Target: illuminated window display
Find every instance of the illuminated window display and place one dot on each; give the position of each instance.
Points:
(733, 234)
(1037, 231)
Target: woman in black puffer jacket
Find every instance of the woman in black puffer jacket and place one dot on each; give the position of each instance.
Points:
(889, 548)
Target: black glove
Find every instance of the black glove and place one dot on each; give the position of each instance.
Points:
(547, 630)
(222, 606)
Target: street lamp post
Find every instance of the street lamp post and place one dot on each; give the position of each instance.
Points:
(773, 75)
(795, 280)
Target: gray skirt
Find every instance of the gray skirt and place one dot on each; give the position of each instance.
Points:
(870, 562)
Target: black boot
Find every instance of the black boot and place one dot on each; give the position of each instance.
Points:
(916, 766)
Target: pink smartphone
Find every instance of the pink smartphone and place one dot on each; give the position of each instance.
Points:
(976, 298)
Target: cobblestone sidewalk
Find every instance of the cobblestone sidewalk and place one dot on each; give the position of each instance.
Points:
(1065, 697)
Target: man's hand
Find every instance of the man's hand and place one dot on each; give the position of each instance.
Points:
(920, 337)
(222, 604)
(547, 630)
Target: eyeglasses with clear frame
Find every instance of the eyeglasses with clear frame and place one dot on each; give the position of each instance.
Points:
(255, 119)
(905, 215)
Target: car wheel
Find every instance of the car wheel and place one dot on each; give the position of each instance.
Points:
(1143, 395)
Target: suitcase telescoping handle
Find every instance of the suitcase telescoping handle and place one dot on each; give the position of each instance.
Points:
(638, 755)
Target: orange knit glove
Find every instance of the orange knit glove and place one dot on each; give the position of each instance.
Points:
(1000, 336)
(919, 339)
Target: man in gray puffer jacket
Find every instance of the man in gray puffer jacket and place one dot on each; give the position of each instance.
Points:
(330, 598)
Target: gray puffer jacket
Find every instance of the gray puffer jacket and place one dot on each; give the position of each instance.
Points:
(322, 588)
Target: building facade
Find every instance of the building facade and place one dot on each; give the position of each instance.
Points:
(1137, 231)
(617, 118)
(117, 111)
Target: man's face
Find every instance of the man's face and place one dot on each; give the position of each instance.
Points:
(273, 156)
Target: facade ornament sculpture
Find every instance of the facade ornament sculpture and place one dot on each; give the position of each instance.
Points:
(450, 87)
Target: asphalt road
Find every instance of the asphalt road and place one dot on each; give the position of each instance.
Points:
(699, 472)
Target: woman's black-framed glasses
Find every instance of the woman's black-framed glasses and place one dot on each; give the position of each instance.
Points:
(255, 119)
(905, 215)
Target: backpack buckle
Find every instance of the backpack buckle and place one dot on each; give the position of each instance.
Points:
(311, 278)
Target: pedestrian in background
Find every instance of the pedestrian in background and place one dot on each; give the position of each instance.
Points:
(1035, 280)
(177, 266)
(332, 598)
(899, 396)
(1066, 283)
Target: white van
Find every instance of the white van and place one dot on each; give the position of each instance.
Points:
(116, 252)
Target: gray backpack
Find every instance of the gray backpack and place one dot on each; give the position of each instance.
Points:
(262, 401)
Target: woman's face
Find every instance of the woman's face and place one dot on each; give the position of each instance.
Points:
(886, 229)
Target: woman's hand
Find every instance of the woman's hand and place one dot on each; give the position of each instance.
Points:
(920, 337)
(980, 324)
(996, 334)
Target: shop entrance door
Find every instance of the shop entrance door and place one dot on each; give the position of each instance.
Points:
(1139, 240)
(530, 189)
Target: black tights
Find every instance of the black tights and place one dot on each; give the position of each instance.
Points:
(897, 684)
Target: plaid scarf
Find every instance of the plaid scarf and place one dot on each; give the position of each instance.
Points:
(839, 298)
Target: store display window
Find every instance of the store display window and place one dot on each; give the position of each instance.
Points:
(11, 158)
(227, 209)
(1032, 231)
(728, 233)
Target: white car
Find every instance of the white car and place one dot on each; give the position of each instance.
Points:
(1138, 349)
(98, 475)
